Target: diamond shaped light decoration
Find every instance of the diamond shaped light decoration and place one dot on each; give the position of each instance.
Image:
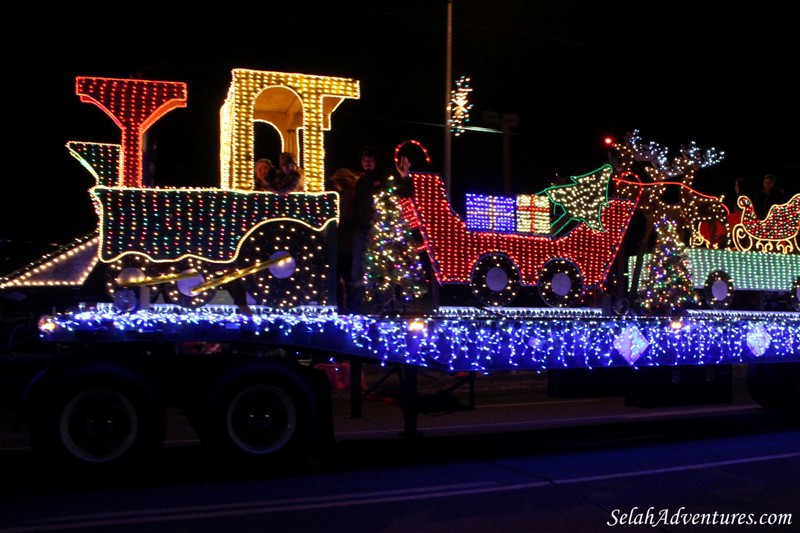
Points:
(758, 340)
(631, 344)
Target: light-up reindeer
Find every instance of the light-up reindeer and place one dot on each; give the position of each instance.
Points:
(765, 258)
(692, 208)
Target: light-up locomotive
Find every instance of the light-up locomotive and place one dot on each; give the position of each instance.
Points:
(244, 369)
(190, 241)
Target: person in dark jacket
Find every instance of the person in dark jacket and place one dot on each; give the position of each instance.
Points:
(374, 179)
(343, 181)
(770, 195)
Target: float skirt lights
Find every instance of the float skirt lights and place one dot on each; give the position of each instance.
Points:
(463, 339)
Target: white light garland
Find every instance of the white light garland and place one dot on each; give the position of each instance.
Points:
(457, 341)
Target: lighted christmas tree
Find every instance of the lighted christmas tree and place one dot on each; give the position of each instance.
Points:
(669, 287)
(393, 273)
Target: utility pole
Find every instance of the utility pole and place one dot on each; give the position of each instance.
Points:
(505, 122)
(447, 96)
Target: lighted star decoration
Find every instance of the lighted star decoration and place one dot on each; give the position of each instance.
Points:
(459, 105)
(583, 199)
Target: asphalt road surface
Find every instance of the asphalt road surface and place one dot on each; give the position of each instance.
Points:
(518, 461)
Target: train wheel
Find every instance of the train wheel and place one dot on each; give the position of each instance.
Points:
(718, 290)
(99, 416)
(128, 268)
(495, 280)
(560, 283)
(299, 279)
(180, 292)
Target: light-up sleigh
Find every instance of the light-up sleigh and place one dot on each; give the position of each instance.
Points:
(498, 264)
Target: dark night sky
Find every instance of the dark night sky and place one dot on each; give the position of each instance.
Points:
(573, 72)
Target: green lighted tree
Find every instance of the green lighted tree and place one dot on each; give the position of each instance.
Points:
(669, 287)
(393, 270)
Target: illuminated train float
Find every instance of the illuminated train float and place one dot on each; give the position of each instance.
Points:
(186, 243)
(191, 241)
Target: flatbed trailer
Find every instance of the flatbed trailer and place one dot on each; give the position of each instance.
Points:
(457, 339)
(249, 386)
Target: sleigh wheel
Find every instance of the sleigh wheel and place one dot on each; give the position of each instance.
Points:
(495, 280)
(297, 271)
(182, 292)
(561, 284)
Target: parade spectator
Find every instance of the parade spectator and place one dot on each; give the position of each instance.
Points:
(740, 188)
(287, 182)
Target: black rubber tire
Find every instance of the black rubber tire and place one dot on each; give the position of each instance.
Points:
(775, 386)
(262, 411)
(99, 415)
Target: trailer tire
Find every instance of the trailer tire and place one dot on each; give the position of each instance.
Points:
(718, 290)
(98, 416)
(560, 283)
(775, 386)
(495, 280)
(261, 410)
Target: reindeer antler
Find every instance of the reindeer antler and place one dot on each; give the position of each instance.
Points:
(694, 207)
(684, 166)
(633, 150)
